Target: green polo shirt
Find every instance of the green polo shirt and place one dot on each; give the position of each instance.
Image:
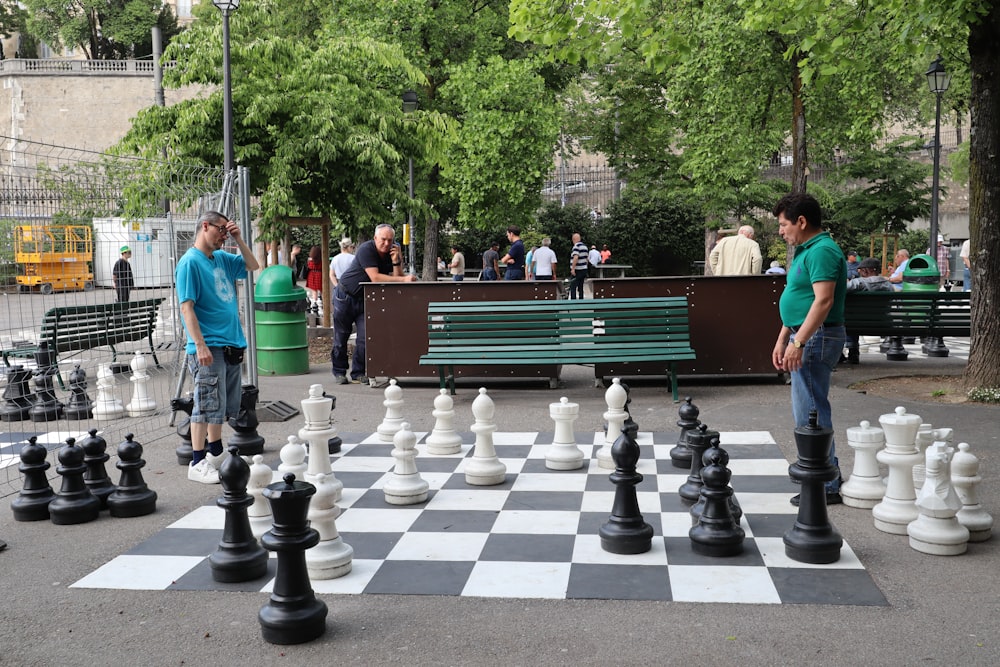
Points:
(818, 259)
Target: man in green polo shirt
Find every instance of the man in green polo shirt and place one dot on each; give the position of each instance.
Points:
(812, 335)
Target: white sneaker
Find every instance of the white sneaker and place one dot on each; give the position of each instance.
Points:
(203, 472)
(215, 461)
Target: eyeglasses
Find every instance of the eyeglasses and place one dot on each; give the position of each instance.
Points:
(222, 228)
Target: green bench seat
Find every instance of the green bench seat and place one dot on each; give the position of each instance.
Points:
(556, 332)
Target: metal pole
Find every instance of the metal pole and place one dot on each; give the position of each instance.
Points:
(227, 91)
(413, 235)
(934, 185)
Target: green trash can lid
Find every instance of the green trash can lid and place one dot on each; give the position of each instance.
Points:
(276, 284)
(921, 273)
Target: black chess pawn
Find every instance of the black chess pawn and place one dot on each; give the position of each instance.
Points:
(680, 455)
(46, 407)
(723, 458)
(96, 478)
(246, 438)
(239, 557)
(699, 440)
(79, 406)
(132, 497)
(293, 615)
(813, 539)
(626, 532)
(717, 532)
(74, 503)
(17, 396)
(32, 504)
(186, 406)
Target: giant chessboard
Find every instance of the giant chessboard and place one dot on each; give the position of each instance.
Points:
(533, 536)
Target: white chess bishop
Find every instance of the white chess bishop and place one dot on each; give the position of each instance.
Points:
(615, 397)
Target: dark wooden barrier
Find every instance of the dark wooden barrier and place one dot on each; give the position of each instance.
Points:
(734, 320)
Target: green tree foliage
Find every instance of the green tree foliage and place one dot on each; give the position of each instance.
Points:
(658, 233)
(102, 29)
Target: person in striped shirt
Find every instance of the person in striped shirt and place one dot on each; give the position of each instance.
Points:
(578, 261)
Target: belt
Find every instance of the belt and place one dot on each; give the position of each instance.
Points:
(825, 324)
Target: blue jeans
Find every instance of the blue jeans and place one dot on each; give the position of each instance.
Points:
(811, 384)
(489, 274)
(513, 274)
(458, 278)
(348, 313)
(217, 388)
(966, 280)
(576, 284)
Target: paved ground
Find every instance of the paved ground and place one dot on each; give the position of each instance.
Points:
(942, 610)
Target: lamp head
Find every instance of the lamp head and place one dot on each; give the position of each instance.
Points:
(226, 6)
(938, 79)
(410, 103)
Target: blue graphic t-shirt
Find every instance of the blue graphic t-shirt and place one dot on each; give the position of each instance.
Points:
(211, 285)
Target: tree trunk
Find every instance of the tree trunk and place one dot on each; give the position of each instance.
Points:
(798, 133)
(983, 369)
(431, 233)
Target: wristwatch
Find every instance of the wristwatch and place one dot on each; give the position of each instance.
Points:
(798, 343)
(397, 263)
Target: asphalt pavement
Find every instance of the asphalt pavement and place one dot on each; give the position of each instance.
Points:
(942, 610)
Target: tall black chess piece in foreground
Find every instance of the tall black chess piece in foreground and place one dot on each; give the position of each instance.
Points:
(32, 504)
(293, 615)
(680, 455)
(79, 406)
(47, 407)
(74, 503)
(132, 497)
(246, 438)
(239, 557)
(717, 533)
(626, 532)
(95, 455)
(813, 539)
(17, 396)
(186, 406)
(699, 440)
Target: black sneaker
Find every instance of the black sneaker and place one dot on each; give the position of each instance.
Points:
(832, 498)
(340, 379)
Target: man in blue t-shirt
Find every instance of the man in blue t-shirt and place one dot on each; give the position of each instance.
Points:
(206, 288)
(514, 259)
(377, 261)
(812, 334)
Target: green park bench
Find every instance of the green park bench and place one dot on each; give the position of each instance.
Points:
(78, 328)
(582, 331)
(903, 314)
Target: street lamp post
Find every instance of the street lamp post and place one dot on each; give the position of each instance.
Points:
(938, 81)
(410, 105)
(227, 7)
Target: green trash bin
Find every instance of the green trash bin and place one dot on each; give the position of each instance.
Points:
(282, 334)
(921, 274)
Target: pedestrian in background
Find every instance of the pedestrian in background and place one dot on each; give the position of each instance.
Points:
(121, 275)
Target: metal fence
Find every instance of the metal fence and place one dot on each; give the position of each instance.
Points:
(151, 207)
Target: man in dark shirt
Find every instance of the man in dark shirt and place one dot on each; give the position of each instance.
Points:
(121, 275)
(514, 259)
(378, 261)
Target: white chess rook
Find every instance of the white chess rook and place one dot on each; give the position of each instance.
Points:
(443, 439)
(484, 468)
(897, 508)
(107, 405)
(405, 486)
(615, 397)
(260, 511)
(936, 530)
(317, 431)
(563, 453)
(965, 478)
(142, 403)
(393, 420)
(865, 487)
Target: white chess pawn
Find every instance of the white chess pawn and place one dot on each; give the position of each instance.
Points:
(615, 397)
(443, 440)
(897, 508)
(260, 511)
(142, 403)
(107, 405)
(393, 420)
(563, 453)
(865, 487)
(331, 557)
(965, 477)
(293, 458)
(936, 530)
(484, 468)
(405, 486)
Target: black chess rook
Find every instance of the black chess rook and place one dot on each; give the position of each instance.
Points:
(239, 557)
(32, 503)
(813, 539)
(131, 497)
(625, 532)
(292, 615)
(74, 503)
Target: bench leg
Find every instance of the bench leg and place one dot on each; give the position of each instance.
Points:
(672, 371)
(447, 380)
